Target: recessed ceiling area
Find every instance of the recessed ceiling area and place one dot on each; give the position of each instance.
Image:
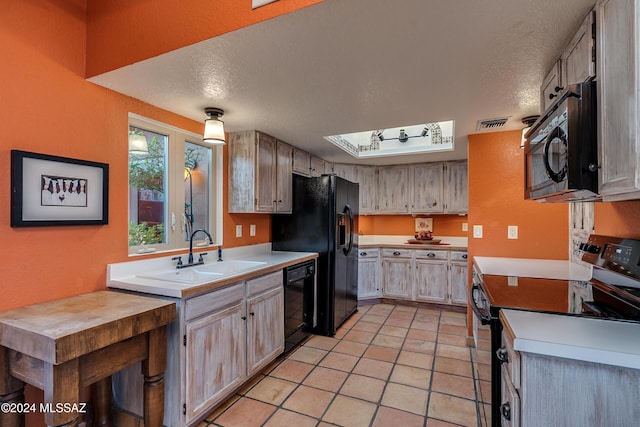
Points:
(340, 67)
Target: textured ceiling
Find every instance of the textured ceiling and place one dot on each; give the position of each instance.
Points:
(348, 66)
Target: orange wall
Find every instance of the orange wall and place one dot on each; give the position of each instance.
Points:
(443, 225)
(496, 200)
(122, 32)
(620, 219)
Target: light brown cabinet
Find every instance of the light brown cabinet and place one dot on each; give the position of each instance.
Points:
(368, 179)
(317, 166)
(551, 87)
(579, 58)
(301, 161)
(397, 273)
(369, 273)
(456, 193)
(458, 277)
(260, 174)
(428, 188)
(431, 268)
(618, 24)
(393, 190)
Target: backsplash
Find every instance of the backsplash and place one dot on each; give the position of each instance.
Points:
(443, 225)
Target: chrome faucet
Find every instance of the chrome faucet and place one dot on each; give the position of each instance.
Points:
(190, 257)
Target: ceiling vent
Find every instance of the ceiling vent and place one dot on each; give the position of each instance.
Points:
(491, 124)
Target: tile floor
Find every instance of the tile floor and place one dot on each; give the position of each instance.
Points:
(388, 365)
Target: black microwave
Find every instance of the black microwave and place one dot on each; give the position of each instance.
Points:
(561, 152)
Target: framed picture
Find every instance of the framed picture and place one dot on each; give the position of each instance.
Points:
(51, 190)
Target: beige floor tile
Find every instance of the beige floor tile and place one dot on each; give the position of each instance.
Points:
(387, 417)
(339, 361)
(452, 329)
(427, 317)
(387, 341)
(398, 321)
(359, 336)
(386, 354)
(417, 360)
(381, 309)
(373, 368)
(323, 343)
(419, 346)
(432, 422)
(453, 409)
(245, 413)
(481, 356)
(484, 344)
(282, 417)
(272, 390)
(458, 314)
(419, 334)
(366, 326)
(350, 347)
(430, 311)
(326, 379)
(372, 318)
(341, 332)
(454, 385)
(408, 375)
(455, 321)
(250, 384)
(453, 351)
(361, 387)
(459, 340)
(307, 355)
(484, 391)
(405, 398)
(350, 321)
(424, 325)
(483, 371)
(401, 315)
(309, 401)
(292, 370)
(349, 412)
(405, 308)
(216, 412)
(453, 366)
(393, 331)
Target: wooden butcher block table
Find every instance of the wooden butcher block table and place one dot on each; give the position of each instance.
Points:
(62, 346)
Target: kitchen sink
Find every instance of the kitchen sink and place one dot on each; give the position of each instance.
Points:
(204, 273)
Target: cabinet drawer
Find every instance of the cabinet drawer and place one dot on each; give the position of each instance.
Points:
(429, 254)
(510, 404)
(197, 306)
(398, 253)
(458, 256)
(368, 253)
(509, 358)
(266, 282)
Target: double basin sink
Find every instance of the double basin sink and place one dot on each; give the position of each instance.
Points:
(204, 273)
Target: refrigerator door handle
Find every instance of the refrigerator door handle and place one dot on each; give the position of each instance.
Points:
(349, 245)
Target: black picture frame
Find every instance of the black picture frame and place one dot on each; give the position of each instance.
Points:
(51, 190)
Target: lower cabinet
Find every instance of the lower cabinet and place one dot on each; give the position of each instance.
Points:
(458, 277)
(219, 341)
(397, 273)
(431, 281)
(369, 273)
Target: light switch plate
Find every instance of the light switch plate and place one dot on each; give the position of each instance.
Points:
(512, 280)
(465, 226)
(477, 231)
(512, 232)
(252, 230)
(238, 230)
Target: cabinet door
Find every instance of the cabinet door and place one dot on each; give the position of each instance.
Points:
(284, 180)
(551, 87)
(428, 188)
(456, 195)
(317, 166)
(265, 173)
(619, 99)
(397, 277)
(214, 358)
(458, 283)
(346, 171)
(368, 275)
(431, 281)
(578, 60)
(301, 162)
(393, 185)
(265, 328)
(368, 180)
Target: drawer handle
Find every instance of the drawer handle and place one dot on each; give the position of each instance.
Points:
(396, 253)
(505, 410)
(502, 354)
(431, 255)
(464, 256)
(363, 253)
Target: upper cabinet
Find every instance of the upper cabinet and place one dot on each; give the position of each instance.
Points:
(428, 188)
(456, 196)
(368, 180)
(618, 55)
(301, 161)
(393, 189)
(551, 87)
(260, 173)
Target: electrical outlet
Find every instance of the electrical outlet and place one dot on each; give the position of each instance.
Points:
(477, 231)
(238, 230)
(512, 280)
(465, 226)
(252, 230)
(512, 232)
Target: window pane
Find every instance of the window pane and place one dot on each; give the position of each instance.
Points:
(148, 191)
(197, 175)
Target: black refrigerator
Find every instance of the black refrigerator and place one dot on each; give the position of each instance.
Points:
(325, 220)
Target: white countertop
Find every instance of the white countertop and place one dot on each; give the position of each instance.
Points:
(400, 241)
(525, 267)
(591, 340)
(124, 275)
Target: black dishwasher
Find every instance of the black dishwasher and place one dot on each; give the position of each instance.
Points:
(299, 302)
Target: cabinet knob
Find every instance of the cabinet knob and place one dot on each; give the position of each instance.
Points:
(464, 256)
(252, 313)
(505, 410)
(396, 253)
(431, 255)
(243, 317)
(558, 89)
(502, 355)
(363, 253)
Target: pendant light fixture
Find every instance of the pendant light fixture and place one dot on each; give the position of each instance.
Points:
(213, 126)
(138, 143)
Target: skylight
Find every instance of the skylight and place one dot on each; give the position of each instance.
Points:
(405, 140)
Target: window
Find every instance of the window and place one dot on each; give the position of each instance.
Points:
(174, 189)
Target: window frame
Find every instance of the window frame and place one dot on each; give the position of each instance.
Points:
(175, 196)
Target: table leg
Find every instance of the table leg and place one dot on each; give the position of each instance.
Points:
(102, 400)
(153, 370)
(11, 391)
(62, 386)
